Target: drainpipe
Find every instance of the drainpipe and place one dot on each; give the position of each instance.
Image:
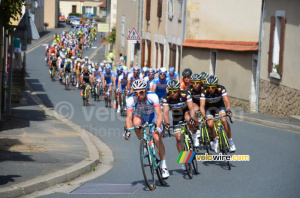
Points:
(138, 29)
(183, 31)
(166, 38)
(141, 35)
(259, 56)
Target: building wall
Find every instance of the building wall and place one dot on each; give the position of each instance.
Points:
(233, 69)
(51, 8)
(130, 22)
(66, 6)
(281, 97)
(291, 58)
(234, 20)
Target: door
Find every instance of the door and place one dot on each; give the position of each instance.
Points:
(73, 8)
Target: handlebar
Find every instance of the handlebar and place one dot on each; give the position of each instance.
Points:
(219, 117)
(140, 127)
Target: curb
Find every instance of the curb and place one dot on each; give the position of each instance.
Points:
(267, 123)
(71, 172)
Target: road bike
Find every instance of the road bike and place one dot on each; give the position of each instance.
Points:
(85, 95)
(204, 134)
(123, 103)
(67, 83)
(221, 135)
(150, 161)
(107, 97)
(187, 145)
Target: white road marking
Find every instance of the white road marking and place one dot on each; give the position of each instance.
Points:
(44, 44)
(94, 47)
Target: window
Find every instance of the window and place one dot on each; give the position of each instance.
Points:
(73, 8)
(161, 55)
(170, 9)
(149, 53)
(180, 5)
(123, 33)
(148, 9)
(159, 8)
(276, 45)
(88, 10)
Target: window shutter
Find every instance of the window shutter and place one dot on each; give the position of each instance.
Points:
(149, 53)
(174, 56)
(271, 44)
(156, 61)
(148, 6)
(143, 53)
(179, 59)
(159, 8)
(282, 33)
(95, 10)
(161, 55)
(83, 9)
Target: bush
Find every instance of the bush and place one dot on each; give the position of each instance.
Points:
(75, 14)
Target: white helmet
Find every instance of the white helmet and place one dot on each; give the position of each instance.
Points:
(101, 64)
(139, 84)
(104, 61)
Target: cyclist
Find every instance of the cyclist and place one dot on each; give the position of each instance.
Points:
(107, 78)
(214, 99)
(181, 104)
(123, 80)
(203, 76)
(149, 79)
(97, 75)
(68, 68)
(144, 107)
(172, 74)
(135, 75)
(145, 72)
(85, 81)
(61, 65)
(116, 81)
(52, 65)
(160, 83)
(185, 82)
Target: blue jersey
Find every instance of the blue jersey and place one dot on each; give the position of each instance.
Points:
(108, 76)
(161, 87)
(175, 76)
(116, 75)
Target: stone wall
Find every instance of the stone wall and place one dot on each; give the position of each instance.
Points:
(235, 102)
(278, 100)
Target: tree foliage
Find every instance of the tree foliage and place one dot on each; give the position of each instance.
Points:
(10, 9)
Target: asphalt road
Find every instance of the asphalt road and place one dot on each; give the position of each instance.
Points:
(273, 169)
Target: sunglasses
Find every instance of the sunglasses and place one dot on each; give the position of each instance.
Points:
(139, 93)
(211, 87)
(196, 83)
(203, 81)
(162, 74)
(173, 91)
(186, 77)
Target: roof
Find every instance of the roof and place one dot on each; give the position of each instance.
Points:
(222, 45)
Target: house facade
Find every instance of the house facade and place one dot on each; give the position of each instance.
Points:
(221, 38)
(80, 6)
(279, 72)
(51, 10)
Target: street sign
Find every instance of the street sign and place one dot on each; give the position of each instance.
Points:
(103, 27)
(133, 35)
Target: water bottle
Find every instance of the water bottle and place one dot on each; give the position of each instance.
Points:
(151, 144)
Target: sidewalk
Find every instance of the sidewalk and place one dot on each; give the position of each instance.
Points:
(33, 144)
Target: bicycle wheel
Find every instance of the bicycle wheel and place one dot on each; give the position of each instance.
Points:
(66, 83)
(106, 102)
(146, 161)
(158, 170)
(184, 147)
(223, 146)
(195, 164)
(206, 142)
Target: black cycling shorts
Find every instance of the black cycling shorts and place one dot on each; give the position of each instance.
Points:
(215, 108)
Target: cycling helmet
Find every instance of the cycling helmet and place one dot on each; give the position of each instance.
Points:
(162, 71)
(204, 75)
(52, 54)
(187, 72)
(63, 49)
(212, 80)
(119, 69)
(96, 64)
(68, 60)
(108, 67)
(63, 56)
(73, 57)
(145, 69)
(101, 64)
(151, 71)
(86, 57)
(173, 84)
(136, 68)
(196, 77)
(139, 84)
(125, 73)
(172, 69)
(105, 61)
(54, 58)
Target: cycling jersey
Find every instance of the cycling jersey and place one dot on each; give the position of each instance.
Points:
(68, 67)
(116, 75)
(97, 74)
(132, 78)
(195, 94)
(61, 63)
(184, 86)
(123, 82)
(178, 106)
(108, 76)
(161, 87)
(86, 77)
(54, 63)
(145, 109)
(215, 97)
(175, 76)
